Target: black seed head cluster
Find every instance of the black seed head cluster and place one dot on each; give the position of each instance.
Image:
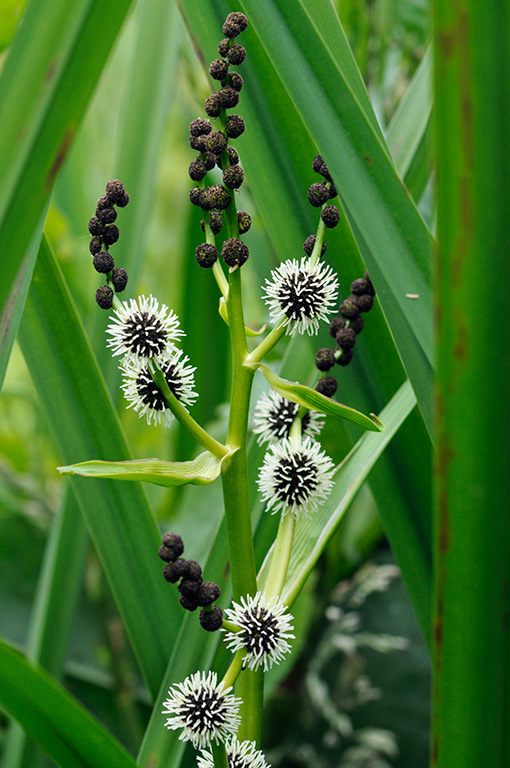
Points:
(104, 234)
(194, 592)
(214, 149)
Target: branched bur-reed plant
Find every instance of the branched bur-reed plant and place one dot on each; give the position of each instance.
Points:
(296, 476)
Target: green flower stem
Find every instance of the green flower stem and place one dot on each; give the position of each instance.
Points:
(219, 754)
(265, 346)
(319, 239)
(235, 668)
(180, 413)
(228, 625)
(281, 557)
(220, 278)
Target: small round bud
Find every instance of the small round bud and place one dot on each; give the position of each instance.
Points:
(346, 356)
(106, 215)
(215, 222)
(200, 127)
(324, 171)
(330, 215)
(211, 620)
(103, 202)
(346, 338)
(235, 81)
(175, 542)
(123, 201)
(317, 163)
(197, 142)
(103, 262)
(371, 289)
(234, 126)
(327, 386)
(243, 222)
(110, 234)
(234, 252)
(194, 571)
(365, 303)
(206, 255)
(236, 54)
(216, 197)
(209, 160)
(235, 23)
(229, 97)
(335, 325)
(233, 157)
(176, 570)
(119, 279)
(223, 47)
(115, 192)
(357, 324)
(104, 297)
(349, 307)
(96, 226)
(95, 244)
(187, 603)
(332, 192)
(216, 142)
(318, 194)
(359, 286)
(218, 69)
(166, 554)
(324, 359)
(233, 176)
(195, 196)
(212, 105)
(197, 170)
(189, 588)
(208, 593)
(309, 244)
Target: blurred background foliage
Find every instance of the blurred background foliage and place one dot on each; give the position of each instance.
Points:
(356, 708)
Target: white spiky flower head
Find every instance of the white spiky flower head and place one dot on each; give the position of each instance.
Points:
(203, 708)
(274, 415)
(142, 330)
(296, 477)
(301, 294)
(144, 395)
(265, 628)
(240, 754)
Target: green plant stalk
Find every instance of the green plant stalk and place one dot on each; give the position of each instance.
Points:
(281, 557)
(265, 346)
(219, 754)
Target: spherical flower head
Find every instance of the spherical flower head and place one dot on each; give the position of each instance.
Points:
(142, 330)
(274, 415)
(301, 295)
(144, 395)
(240, 754)
(296, 477)
(203, 708)
(265, 628)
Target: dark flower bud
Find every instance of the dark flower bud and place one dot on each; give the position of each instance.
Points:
(216, 197)
(174, 541)
(344, 358)
(197, 170)
(216, 142)
(218, 69)
(103, 262)
(215, 222)
(123, 201)
(359, 286)
(209, 160)
(187, 603)
(206, 255)
(176, 570)
(234, 126)
(371, 289)
(229, 97)
(349, 307)
(332, 192)
(116, 193)
(357, 324)
(317, 163)
(200, 127)
(335, 325)
(110, 234)
(96, 226)
(318, 194)
(166, 554)
(212, 105)
(236, 54)
(103, 202)
(233, 176)
(309, 244)
(324, 359)
(208, 593)
(235, 81)
(233, 157)
(235, 23)
(197, 142)
(211, 620)
(119, 279)
(346, 338)
(330, 215)
(365, 302)
(223, 47)
(234, 252)
(195, 196)
(243, 222)
(189, 588)
(106, 215)
(96, 244)
(104, 297)
(324, 171)
(194, 571)
(327, 386)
